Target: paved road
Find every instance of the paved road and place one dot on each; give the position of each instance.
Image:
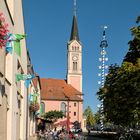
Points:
(91, 137)
(94, 138)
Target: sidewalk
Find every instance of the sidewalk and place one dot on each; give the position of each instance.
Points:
(33, 138)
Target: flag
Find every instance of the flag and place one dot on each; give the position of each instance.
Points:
(16, 38)
(28, 80)
(24, 77)
(9, 48)
(34, 98)
(36, 94)
(17, 48)
(19, 77)
(29, 76)
(19, 36)
(8, 37)
(30, 97)
(41, 110)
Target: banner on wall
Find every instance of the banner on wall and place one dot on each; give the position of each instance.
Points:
(27, 78)
(14, 39)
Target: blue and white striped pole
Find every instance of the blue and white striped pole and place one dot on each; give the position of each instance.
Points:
(103, 67)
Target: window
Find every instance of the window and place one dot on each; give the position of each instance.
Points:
(74, 104)
(77, 48)
(75, 66)
(74, 113)
(19, 104)
(18, 100)
(42, 107)
(72, 48)
(63, 108)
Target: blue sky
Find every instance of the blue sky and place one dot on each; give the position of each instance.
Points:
(48, 26)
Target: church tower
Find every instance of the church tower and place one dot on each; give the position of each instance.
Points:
(74, 60)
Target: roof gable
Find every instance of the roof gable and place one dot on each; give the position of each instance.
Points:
(57, 89)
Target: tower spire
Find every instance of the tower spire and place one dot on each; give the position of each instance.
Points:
(74, 30)
(74, 7)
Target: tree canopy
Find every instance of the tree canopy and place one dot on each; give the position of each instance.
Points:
(53, 115)
(89, 116)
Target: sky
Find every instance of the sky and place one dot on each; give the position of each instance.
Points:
(48, 26)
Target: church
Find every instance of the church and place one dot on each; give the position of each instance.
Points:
(66, 94)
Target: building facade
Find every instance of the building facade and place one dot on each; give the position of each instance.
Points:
(14, 106)
(56, 94)
(33, 101)
(4, 84)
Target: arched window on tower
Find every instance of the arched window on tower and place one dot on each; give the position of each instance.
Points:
(63, 108)
(75, 66)
(72, 47)
(42, 108)
(78, 48)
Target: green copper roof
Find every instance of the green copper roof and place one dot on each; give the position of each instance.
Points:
(74, 30)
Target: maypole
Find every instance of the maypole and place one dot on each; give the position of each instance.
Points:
(103, 69)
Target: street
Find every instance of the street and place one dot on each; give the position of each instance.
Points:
(95, 138)
(91, 137)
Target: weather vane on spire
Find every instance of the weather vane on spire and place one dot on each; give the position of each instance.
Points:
(104, 41)
(105, 27)
(75, 7)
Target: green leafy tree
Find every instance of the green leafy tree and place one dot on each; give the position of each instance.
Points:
(53, 116)
(121, 92)
(89, 116)
(134, 49)
(97, 117)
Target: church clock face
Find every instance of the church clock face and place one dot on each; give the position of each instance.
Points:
(75, 58)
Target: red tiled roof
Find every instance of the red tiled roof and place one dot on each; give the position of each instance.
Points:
(57, 89)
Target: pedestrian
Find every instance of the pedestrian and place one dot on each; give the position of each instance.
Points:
(67, 136)
(70, 135)
(88, 131)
